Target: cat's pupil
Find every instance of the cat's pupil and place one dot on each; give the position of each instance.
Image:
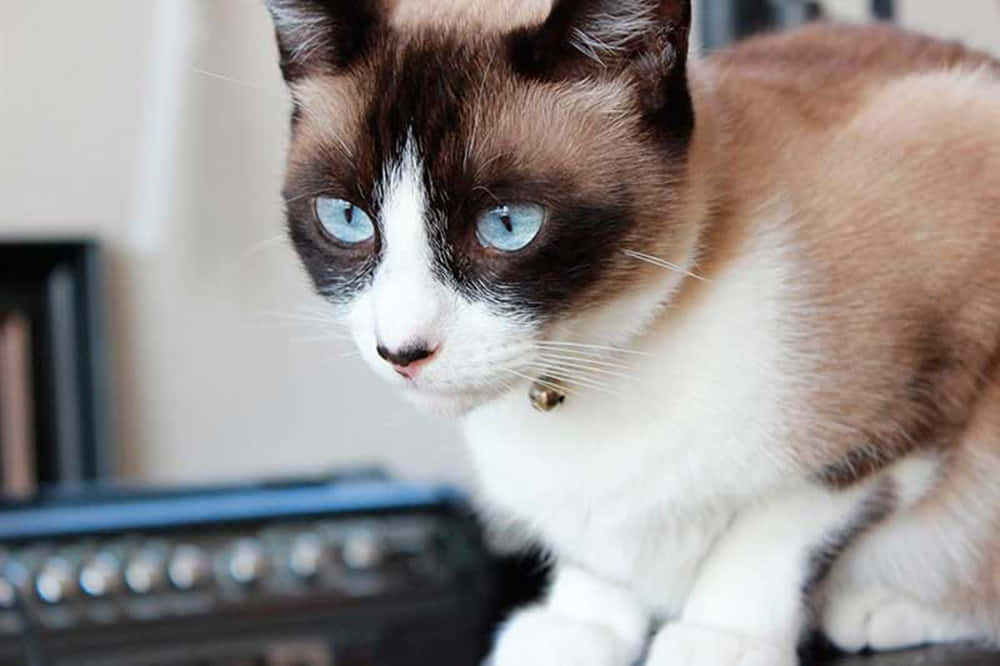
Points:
(505, 220)
(349, 214)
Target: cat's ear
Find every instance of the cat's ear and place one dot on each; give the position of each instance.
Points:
(649, 38)
(321, 35)
(606, 32)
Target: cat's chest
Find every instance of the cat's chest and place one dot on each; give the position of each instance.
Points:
(615, 498)
(637, 479)
(634, 484)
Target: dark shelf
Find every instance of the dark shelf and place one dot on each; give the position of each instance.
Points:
(939, 656)
(56, 285)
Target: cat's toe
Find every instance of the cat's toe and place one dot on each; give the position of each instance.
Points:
(685, 644)
(880, 620)
(846, 618)
(897, 625)
(538, 637)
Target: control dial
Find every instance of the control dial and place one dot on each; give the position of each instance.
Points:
(305, 556)
(145, 572)
(8, 594)
(55, 582)
(247, 563)
(188, 568)
(363, 549)
(100, 576)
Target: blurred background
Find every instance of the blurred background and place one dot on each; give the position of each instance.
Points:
(157, 129)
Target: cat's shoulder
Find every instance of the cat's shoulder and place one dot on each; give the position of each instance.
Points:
(826, 74)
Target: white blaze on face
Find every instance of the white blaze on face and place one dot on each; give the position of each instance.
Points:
(409, 304)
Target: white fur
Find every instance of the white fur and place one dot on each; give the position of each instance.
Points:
(537, 635)
(617, 25)
(752, 582)
(902, 584)
(687, 644)
(637, 482)
(408, 304)
(675, 487)
(878, 619)
(915, 477)
(664, 488)
(601, 623)
(577, 594)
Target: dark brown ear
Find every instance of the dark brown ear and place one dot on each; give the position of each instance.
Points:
(646, 37)
(606, 32)
(318, 35)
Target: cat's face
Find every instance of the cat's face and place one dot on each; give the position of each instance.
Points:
(471, 196)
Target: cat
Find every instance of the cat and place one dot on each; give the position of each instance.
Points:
(758, 293)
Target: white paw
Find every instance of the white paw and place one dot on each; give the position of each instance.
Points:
(539, 637)
(685, 644)
(880, 620)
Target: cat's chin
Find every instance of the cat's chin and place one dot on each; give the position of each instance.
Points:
(452, 404)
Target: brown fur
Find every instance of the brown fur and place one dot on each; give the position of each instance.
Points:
(891, 213)
(883, 177)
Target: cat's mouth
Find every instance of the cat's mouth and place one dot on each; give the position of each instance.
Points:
(452, 399)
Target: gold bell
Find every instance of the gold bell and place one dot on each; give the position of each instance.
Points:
(545, 394)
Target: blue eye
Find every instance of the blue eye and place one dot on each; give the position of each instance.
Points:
(344, 221)
(510, 227)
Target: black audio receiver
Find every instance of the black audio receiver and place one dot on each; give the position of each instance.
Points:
(354, 571)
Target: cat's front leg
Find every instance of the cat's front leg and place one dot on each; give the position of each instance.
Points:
(584, 621)
(750, 605)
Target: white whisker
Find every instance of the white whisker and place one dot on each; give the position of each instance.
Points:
(593, 361)
(260, 246)
(229, 79)
(580, 345)
(536, 380)
(571, 379)
(304, 317)
(307, 195)
(342, 337)
(663, 263)
(585, 368)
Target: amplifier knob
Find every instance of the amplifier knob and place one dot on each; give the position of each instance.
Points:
(188, 568)
(101, 575)
(55, 582)
(247, 563)
(305, 556)
(363, 549)
(144, 573)
(8, 594)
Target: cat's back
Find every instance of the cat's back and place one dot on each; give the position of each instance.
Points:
(824, 73)
(874, 153)
(871, 122)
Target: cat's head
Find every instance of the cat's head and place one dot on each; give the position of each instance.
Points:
(474, 185)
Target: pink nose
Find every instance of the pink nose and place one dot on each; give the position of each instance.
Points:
(409, 360)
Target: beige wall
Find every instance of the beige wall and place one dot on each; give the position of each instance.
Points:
(976, 22)
(108, 126)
